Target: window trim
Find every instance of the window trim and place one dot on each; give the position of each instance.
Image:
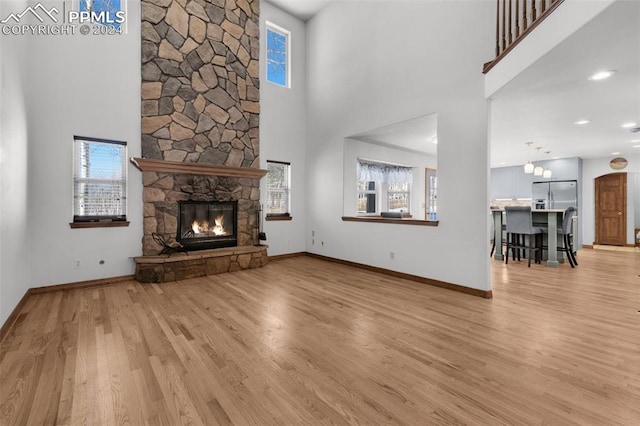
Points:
(287, 214)
(99, 221)
(270, 26)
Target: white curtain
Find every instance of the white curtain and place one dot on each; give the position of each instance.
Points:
(385, 173)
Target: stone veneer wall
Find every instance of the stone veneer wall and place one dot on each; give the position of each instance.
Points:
(200, 104)
(162, 191)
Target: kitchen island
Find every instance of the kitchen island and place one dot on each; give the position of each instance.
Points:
(551, 222)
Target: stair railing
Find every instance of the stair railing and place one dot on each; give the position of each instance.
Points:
(515, 19)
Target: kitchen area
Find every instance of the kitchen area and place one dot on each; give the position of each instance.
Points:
(547, 197)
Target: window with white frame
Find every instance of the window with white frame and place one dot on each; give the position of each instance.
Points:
(367, 197)
(278, 189)
(99, 180)
(110, 13)
(278, 58)
(383, 188)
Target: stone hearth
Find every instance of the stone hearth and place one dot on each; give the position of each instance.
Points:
(180, 266)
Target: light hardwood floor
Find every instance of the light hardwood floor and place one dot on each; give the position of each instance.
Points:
(303, 341)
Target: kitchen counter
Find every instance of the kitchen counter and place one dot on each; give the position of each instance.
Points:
(536, 211)
(549, 219)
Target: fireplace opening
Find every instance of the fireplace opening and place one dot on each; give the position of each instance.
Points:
(207, 224)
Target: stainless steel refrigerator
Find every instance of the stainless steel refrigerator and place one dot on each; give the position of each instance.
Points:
(558, 194)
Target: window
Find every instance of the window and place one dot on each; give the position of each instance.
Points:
(383, 188)
(99, 180)
(398, 197)
(278, 55)
(278, 189)
(367, 197)
(104, 12)
(431, 188)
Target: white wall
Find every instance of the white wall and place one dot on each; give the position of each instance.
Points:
(636, 197)
(563, 22)
(88, 86)
(15, 265)
(355, 149)
(388, 62)
(283, 131)
(593, 168)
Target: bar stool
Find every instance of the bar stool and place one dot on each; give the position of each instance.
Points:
(520, 223)
(567, 233)
(493, 237)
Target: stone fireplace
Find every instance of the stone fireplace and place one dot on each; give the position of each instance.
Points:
(200, 118)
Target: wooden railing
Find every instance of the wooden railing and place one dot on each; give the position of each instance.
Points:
(514, 20)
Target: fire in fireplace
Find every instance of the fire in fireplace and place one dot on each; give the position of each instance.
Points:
(207, 224)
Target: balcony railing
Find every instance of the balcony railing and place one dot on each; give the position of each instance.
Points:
(514, 20)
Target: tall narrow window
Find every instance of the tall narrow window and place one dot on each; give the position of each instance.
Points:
(278, 60)
(105, 12)
(278, 189)
(367, 197)
(99, 180)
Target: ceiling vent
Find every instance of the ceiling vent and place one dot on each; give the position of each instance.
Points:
(635, 129)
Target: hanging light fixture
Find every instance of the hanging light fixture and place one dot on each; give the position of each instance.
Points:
(547, 172)
(538, 170)
(528, 168)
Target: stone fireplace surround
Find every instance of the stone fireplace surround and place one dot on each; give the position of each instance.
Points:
(200, 104)
(166, 183)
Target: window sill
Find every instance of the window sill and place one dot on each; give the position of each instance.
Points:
(378, 219)
(274, 218)
(114, 224)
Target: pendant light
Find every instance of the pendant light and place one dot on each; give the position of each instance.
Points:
(538, 170)
(547, 172)
(528, 168)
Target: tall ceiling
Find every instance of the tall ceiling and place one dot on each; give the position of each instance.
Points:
(302, 9)
(418, 134)
(542, 104)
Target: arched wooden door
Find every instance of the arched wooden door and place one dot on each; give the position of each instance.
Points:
(611, 209)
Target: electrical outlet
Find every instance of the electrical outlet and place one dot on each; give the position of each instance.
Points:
(313, 241)
(77, 264)
(392, 255)
(313, 233)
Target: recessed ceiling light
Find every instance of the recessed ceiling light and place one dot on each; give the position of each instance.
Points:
(629, 125)
(582, 122)
(615, 153)
(434, 140)
(555, 158)
(636, 146)
(601, 75)
(634, 140)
